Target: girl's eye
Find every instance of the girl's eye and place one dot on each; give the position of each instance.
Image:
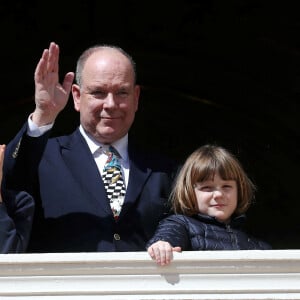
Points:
(206, 189)
(228, 188)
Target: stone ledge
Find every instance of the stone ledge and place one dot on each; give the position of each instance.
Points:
(272, 274)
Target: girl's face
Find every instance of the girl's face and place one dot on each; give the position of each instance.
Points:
(217, 198)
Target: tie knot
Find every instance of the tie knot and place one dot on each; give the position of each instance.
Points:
(114, 151)
(113, 157)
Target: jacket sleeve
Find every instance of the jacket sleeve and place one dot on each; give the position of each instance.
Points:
(22, 157)
(16, 216)
(174, 230)
(258, 244)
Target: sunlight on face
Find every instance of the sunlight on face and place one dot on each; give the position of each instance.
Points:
(108, 98)
(217, 198)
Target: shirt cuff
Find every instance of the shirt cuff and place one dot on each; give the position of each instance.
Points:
(34, 131)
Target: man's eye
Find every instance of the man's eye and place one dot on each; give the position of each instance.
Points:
(98, 94)
(122, 93)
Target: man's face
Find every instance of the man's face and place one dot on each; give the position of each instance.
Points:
(108, 97)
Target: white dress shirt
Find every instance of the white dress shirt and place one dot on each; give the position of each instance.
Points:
(96, 148)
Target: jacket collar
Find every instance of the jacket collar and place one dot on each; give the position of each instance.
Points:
(120, 145)
(236, 221)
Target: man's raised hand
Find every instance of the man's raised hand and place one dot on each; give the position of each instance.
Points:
(50, 96)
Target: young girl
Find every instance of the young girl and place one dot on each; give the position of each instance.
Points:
(210, 197)
(16, 214)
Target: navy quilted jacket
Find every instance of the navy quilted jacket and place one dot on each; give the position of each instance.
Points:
(201, 232)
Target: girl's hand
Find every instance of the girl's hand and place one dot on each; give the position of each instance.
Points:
(162, 252)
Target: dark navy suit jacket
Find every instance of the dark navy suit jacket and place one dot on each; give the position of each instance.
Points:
(72, 210)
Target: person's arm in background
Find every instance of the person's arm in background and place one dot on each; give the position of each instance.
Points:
(16, 215)
(2, 150)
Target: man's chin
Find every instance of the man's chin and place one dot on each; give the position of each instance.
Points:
(107, 136)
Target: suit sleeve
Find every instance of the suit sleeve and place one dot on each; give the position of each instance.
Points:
(22, 158)
(16, 215)
(172, 229)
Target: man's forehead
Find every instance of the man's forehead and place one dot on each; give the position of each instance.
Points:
(108, 54)
(99, 84)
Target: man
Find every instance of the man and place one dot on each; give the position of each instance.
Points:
(73, 211)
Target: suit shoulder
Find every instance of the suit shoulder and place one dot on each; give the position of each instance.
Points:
(66, 140)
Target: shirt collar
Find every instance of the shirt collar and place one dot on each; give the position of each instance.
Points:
(120, 145)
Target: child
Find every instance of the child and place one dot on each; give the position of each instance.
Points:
(210, 197)
(16, 214)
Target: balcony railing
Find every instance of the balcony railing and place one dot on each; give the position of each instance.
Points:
(272, 274)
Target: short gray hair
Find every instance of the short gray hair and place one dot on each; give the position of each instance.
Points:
(88, 52)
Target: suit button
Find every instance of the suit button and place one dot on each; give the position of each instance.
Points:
(116, 237)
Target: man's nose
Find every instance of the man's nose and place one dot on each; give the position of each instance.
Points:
(110, 100)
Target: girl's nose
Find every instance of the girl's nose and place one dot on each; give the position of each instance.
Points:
(217, 193)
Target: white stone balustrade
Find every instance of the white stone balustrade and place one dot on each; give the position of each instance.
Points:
(270, 274)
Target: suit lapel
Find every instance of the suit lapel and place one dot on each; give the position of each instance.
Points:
(137, 178)
(80, 161)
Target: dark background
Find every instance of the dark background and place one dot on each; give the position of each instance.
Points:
(223, 72)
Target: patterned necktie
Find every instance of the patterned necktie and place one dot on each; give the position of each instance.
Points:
(113, 181)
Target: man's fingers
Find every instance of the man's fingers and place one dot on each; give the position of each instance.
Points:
(41, 68)
(67, 83)
(52, 64)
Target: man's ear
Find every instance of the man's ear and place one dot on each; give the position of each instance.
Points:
(76, 96)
